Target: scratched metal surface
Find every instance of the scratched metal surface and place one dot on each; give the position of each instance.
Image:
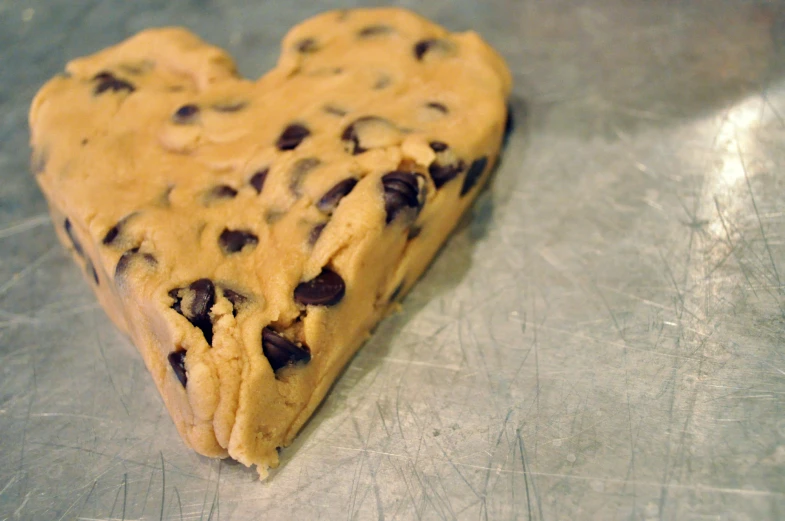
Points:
(604, 339)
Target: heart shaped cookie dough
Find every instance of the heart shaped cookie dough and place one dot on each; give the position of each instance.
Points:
(248, 235)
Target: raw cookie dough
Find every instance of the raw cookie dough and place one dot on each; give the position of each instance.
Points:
(248, 235)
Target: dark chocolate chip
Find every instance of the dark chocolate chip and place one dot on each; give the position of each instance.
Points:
(257, 180)
(401, 190)
(72, 237)
(352, 134)
(437, 106)
(326, 289)
(235, 298)
(232, 241)
(421, 47)
(280, 351)
(115, 230)
(177, 361)
(229, 106)
(438, 146)
(108, 81)
(185, 114)
(374, 30)
(351, 140)
(307, 46)
(292, 136)
(474, 174)
(203, 301)
(435, 46)
(175, 294)
(441, 174)
(299, 170)
(330, 200)
(414, 232)
(124, 262)
(223, 192)
(316, 231)
(91, 270)
(204, 298)
(335, 111)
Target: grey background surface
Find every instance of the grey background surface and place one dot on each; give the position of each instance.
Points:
(604, 338)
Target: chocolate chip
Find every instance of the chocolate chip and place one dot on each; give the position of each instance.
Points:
(446, 166)
(431, 45)
(307, 46)
(437, 106)
(422, 47)
(108, 81)
(257, 180)
(177, 361)
(72, 237)
(369, 132)
(401, 191)
(115, 230)
(292, 136)
(202, 293)
(316, 231)
(330, 200)
(203, 301)
(175, 294)
(235, 298)
(280, 351)
(351, 140)
(232, 241)
(326, 289)
(85, 141)
(374, 30)
(229, 106)
(335, 111)
(474, 174)
(223, 192)
(111, 235)
(124, 262)
(438, 146)
(441, 174)
(185, 114)
(299, 170)
(91, 270)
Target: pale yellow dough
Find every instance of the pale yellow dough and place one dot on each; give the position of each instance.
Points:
(122, 156)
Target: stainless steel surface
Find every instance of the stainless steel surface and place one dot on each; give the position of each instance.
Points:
(604, 339)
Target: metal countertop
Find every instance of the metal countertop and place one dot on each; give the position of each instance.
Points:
(603, 339)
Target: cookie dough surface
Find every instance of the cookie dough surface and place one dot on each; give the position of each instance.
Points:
(248, 235)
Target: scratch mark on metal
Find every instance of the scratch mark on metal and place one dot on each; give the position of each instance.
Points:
(24, 225)
(163, 484)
